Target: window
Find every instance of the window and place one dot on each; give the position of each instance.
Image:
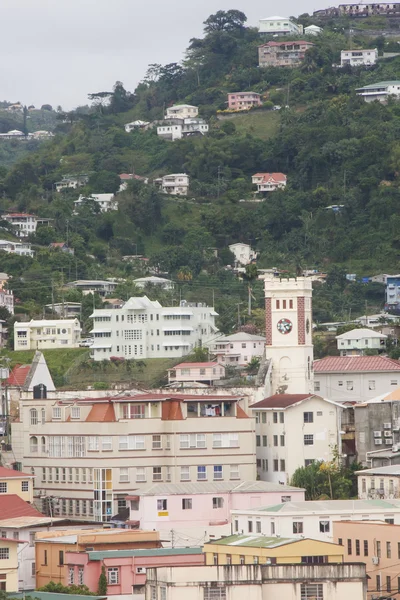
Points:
(226, 440)
(309, 440)
(185, 473)
(357, 547)
(276, 465)
(234, 472)
(275, 417)
(281, 417)
(297, 526)
(156, 442)
(133, 411)
(131, 442)
(378, 583)
(250, 526)
(218, 474)
(388, 550)
(308, 417)
(264, 417)
(311, 591)
(112, 575)
(123, 474)
(163, 593)
(56, 412)
(264, 440)
(33, 569)
(201, 473)
(324, 526)
(378, 549)
(4, 553)
(258, 440)
(3, 487)
(61, 558)
(349, 547)
(275, 440)
(45, 558)
(31, 538)
(286, 499)
(186, 503)
(162, 504)
(71, 575)
(215, 593)
(75, 412)
(192, 440)
(24, 486)
(80, 576)
(106, 443)
(349, 385)
(218, 502)
(282, 440)
(388, 583)
(140, 474)
(34, 416)
(366, 548)
(371, 385)
(157, 474)
(282, 465)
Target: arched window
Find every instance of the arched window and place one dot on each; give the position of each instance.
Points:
(34, 444)
(43, 416)
(34, 416)
(43, 444)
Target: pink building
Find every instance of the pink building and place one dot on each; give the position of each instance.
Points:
(206, 372)
(269, 182)
(202, 510)
(282, 54)
(125, 569)
(376, 544)
(243, 100)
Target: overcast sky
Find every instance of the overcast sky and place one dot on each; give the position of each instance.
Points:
(58, 51)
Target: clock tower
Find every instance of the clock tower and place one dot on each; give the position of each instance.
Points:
(288, 328)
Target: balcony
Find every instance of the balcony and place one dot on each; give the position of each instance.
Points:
(197, 410)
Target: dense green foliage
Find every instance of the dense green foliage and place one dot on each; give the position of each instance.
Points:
(323, 480)
(59, 588)
(334, 147)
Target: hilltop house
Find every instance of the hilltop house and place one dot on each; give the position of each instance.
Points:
(278, 26)
(176, 129)
(136, 125)
(380, 91)
(244, 254)
(269, 182)
(357, 341)
(181, 111)
(243, 100)
(47, 334)
(361, 57)
(175, 184)
(20, 248)
(71, 182)
(313, 30)
(238, 349)
(105, 202)
(282, 54)
(23, 224)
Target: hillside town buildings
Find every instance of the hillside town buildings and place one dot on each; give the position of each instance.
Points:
(380, 91)
(144, 329)
(358, 341)
(176, 184)
(47, 334)
(243, 100)
(361, 57)
(283, 54)
(278, 26)
(269, 182)
(238, 349)
(23, 224)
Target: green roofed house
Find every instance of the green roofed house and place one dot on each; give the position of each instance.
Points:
(311, 519)
(248, 549)
(380, 91)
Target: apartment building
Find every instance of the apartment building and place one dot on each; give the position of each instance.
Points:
(243, 100)
(176, 184)
(45, 334)
(176, 129)
(23, 223)
(181, 111)
(143, 328)
(282, 54)
(292, 431)
(359, 58)
(379, 482)
(91, 453)
(279, 26)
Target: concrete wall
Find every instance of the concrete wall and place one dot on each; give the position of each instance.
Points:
(334, 385)
(370, 418)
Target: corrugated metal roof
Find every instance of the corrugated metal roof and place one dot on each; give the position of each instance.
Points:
(388, 470)
(12, 506)
(281, 400)
(28, 521)
(13, 474)
(183, 489)
(327, 506)
(344, 364)
(101, 555)
(360, 334)
(256, 541)
(54, 596)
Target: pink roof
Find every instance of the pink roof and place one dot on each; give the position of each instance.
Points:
(125, 176)
(281, 400)
(12, 506)
(11, 473)
(18, 375)
(156, 396)
(18, 215)
(58, 244)
(342, 364)
(201, 365)
(279, 177)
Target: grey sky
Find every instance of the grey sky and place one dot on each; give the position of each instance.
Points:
(57, 51)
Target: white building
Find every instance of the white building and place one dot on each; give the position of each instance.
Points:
(145, 329)
(176, 184)
(24, 224)
(277, 26)
(91, 453)
(292, 431)
(105, 202)
(238, 349)
(176, 129)
(20, 248)
(380, 91)
(199, 508)
(92, 286)
(206, 372)
(357, 341)
(65, 310)
(313, 519)
(313, 30)
(165, 284)
(269, 182)
(258, 582)
(355, 378)
(7, 300)
(181, 111)
(136, 125)
(244, 254)
(71, 182)
(379, 482)
(357, 58)
(44, 334)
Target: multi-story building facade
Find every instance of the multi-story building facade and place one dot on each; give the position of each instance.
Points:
(23, 224)
(380, 91)
(94, 286)
(91, 453)
(143, 328)
(44, 334)
(176, 184)
(176, 129)
(392, 292)
(244, 254)
(358, 58)
(355, 378)
(20, 248)
(269, 182)
(181, 111)
(15, 482)
(243, 100)
(205, 372)
(292, 431)
(379, 482)
(283, 54)
(369, 9)
(278, 26)
(238, 349)
(7, 299)
(9, 564)
(377, 429)
(105, 202)
(357, 341)
(313, 519)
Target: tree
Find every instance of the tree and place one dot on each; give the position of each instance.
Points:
(104, 182)
(225, 21)
(102, 587)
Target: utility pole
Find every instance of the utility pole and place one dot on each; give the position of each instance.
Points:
(249, 302)
(52, 296)
(238, 312)
(172, 538)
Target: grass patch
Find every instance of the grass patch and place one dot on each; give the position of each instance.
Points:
(261, 124)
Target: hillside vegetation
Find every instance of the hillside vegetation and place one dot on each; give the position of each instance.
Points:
(334, 148)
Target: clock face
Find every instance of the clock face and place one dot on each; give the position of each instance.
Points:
(284, 326)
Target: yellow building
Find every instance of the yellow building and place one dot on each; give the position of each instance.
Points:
(51, 546)
(259, 549)
(9, 564)
(15, 482)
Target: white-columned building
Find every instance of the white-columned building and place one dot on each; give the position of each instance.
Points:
(145, 329)
(45, 334)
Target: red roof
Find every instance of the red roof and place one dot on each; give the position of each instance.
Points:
(12, 506)
(18, 375)
(57, 244)
(342, 364)
(284, 43)
(281, 400)
(12, 473)
(200, 365)
(18, 215)
(101, 413)
(279, 177)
